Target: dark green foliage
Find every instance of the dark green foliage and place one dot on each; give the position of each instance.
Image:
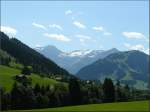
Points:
(139, 95)
(4, 58)
(26, 70)
(24, 80)
(128, 67)
(15, 97)
(8, 60)
(91, 92)
(5, 100)
(80, 92)
(27, 56)
(37, 89)
(75, 91)
(127, 92)
(22, 97)
(108, 91)
(119, 92)
(42, 101)
(122, 93)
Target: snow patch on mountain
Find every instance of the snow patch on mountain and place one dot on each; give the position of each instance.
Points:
(75, 60)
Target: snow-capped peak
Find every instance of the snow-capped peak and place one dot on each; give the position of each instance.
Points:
(39, 48)
(79, 53)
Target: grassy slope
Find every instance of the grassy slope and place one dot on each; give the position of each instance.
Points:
(136, 106)
(7, 74)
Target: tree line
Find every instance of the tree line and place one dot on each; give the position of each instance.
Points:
(25, 96)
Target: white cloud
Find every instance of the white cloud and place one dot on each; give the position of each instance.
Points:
(39, 26)
(82, 40)
(98, 28)
(59, 37)
(133, 35)
(79, 25)
(68, 12)
(136, 47)
(101, 29)
(83, 36)
(107, 33)
(8, 30)
(56, 26)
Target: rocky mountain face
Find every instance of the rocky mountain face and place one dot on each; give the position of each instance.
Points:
(75, 60)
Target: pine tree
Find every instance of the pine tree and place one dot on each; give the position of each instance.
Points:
(108, 90)
(119, 93)
(37, 89)
(75, 92)
(5, 100)
(127, 92)
(42, 101)
(16, 97)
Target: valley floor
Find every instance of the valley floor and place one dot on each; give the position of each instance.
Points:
(136, 106)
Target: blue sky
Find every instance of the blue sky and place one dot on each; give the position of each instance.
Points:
(78, 25)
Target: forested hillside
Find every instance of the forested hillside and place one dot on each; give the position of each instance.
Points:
(130, 67)
(29, 57)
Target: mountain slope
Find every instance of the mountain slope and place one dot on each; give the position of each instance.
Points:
(7, 75)
(129, 67)
(27, 56)
(75, 60)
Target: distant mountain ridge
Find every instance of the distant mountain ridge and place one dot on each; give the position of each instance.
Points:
(75, 60)
(131, 67)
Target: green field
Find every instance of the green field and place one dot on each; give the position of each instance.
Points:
(136, 106)
(7, 74)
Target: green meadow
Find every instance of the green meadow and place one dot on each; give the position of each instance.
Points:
(136, 106)
(7, 74)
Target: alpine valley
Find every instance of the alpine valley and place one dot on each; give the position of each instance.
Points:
(74, 56)
(75, 60)
(129, 67)
(29, 79)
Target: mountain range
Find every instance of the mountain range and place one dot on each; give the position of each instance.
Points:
(131, 67)
(75, 60)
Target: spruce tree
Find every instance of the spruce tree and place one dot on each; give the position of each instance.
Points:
(75, 92)
(108, 91)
